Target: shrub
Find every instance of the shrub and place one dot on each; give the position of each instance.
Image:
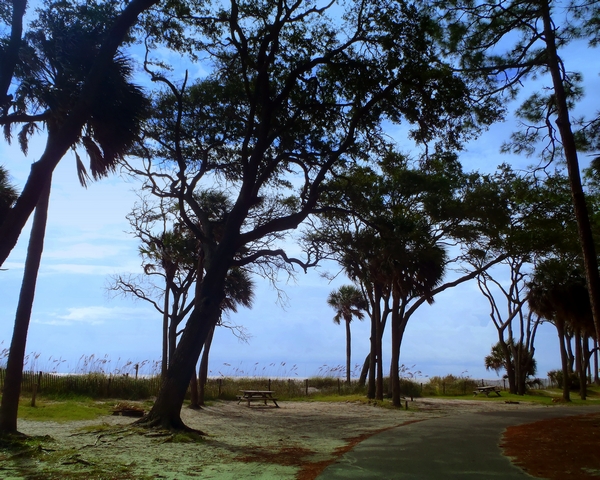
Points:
(449, 385)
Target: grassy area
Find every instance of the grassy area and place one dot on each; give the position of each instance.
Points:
(544, 397)
(64, 410)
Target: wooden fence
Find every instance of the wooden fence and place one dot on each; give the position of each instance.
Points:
(94, 385)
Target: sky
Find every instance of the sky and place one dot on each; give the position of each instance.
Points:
(76, 326)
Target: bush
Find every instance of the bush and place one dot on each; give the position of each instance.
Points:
(556, 377)
(449, 385)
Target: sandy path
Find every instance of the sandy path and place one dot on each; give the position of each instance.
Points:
(295, 441)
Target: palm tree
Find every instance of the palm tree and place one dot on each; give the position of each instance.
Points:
(57, 57)
(8, 193)
(348, 302)
(496, 360)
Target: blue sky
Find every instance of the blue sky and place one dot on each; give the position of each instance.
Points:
(87, 241)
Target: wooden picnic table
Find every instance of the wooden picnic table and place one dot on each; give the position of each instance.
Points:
(257, 396)
(487, 389)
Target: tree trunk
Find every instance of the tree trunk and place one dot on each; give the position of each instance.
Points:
(379, 363)
(395, 362)
(596, 376)
(166, 412)
(203, 371)
(570, 356)
(172, 339)
(563, 359)
(375, 320)
(194, 400)
(362, 380)
(14, 367)
(580, 362)
(508, 359)
(348, 352)
(563, 123)
(165, 329)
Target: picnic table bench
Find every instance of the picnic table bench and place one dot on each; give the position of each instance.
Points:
(487, 389)
(257, 396)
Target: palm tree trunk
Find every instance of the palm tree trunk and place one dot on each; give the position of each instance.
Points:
(379, 361)
(375, 320)
(580, 362)
(563, 123)
(348, 352)
(508, 360)
(14, 367)
(395, 362)
(563, 359)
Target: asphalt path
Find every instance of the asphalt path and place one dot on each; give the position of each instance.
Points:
(463, 446)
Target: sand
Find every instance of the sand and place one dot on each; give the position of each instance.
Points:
(295, 441)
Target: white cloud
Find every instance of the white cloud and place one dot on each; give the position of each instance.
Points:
(88, 269)
(85, 250)
(93, 315)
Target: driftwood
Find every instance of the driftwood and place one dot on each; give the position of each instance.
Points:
(128, 410)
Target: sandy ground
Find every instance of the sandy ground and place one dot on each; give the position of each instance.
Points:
(295, 441)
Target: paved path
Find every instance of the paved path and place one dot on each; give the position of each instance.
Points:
(457, 447)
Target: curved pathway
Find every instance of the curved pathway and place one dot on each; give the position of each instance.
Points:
(465, 446)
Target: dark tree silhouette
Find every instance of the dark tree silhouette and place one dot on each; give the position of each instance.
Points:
(293, 98)
(8, 193)
(58, 53)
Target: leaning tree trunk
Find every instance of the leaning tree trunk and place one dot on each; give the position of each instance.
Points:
(14, 367)
(570, 150)
(570, 355)
(166, 411)
(362, 380)
(203, 371)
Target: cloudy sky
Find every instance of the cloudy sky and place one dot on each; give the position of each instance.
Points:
(87, 240)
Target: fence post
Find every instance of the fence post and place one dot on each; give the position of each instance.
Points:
(137, 366)
(306, 387)
(269, 384)
(339, 387)
(36, 386)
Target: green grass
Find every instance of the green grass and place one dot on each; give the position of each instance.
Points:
(63, 410)
(543, 397)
